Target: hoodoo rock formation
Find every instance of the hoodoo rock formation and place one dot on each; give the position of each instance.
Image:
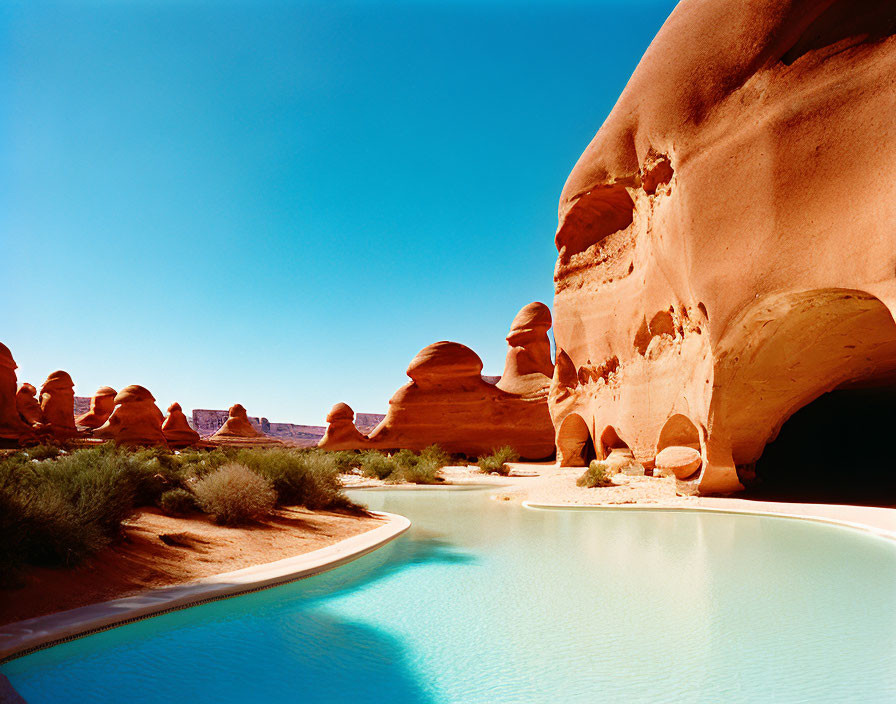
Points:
(57, 405)
(528, 368)
(13, 430)
(135, 420)
(238, 430)
(28, 405)
(341, 431)
(177, 429)
(448, 402)
(101, 405)
(727, 242)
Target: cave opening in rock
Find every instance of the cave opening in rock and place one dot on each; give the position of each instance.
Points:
(838, 449)
(610, 442)
(575, 447)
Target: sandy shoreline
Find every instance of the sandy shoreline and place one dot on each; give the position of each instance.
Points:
(547, 484)
(160, 551)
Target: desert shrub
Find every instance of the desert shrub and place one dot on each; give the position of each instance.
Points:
(376, 464)
(307, 478)
(178, 502)
(44, 452)
(345, 460)
(234, 494)
(435, 454)
(56, 512)
(424, 471)
(497, 461)
(405, 459)
(597, 475)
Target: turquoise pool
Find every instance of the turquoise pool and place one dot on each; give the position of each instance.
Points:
(485, 601)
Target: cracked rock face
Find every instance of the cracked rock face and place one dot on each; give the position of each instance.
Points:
(727, 242)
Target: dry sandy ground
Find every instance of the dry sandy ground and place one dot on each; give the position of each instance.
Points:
(160, 550)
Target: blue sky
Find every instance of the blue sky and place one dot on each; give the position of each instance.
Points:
(280, 203)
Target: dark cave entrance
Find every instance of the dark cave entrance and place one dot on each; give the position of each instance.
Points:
(838, 449)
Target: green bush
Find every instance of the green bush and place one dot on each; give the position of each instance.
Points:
(497, 461)
(178, 502)
(377, 465)
(597, 475)
(56, 512)
(346, 459)
(44, 452)
(234, 494)
(424, 471)
(435, 454)
(301, 478)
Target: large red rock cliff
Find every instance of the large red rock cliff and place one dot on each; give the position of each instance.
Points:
(727, 242)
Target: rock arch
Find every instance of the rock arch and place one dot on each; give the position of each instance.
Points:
(781, 355)
(575, 447)
(678, 431)
(611, 441)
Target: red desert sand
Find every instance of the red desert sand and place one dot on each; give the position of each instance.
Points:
(160, 551)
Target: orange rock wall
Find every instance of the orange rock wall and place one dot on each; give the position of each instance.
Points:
(727, 242)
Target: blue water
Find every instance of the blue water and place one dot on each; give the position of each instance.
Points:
(485, 601)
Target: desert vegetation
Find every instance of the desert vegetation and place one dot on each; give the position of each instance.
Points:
(58, 507)
(598, 474)
(400, 466)
(496, 463)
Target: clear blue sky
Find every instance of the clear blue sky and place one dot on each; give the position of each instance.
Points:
(280, 203)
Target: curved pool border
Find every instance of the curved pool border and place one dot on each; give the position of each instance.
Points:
(770, 512)
(24, 637)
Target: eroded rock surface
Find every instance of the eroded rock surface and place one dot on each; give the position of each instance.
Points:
(13, 430)
(342, 434)
(57, 405)
(448, 402)
(176, 428)
(727, 242)
(237, 430)
(101, 405)
(135, 420)
(28, 405)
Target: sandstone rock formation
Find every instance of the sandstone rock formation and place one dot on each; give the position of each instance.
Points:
(237, 430)
(27, 404)
(101, 405)
(57, 405)
(177, 429)
(341, 431)
(447, 402)
(528, 368)
(13, 430)
(727, 242)
(135, 421)
(683, 462)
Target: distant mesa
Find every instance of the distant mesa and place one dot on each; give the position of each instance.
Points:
(135, 421)
(101, 404)
(237, 430)
(177, 430)
(57, 405)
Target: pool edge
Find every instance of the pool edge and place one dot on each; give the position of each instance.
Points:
(23, 637)
(769, 513)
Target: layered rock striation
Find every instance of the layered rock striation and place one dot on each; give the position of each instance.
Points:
(727, 242)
